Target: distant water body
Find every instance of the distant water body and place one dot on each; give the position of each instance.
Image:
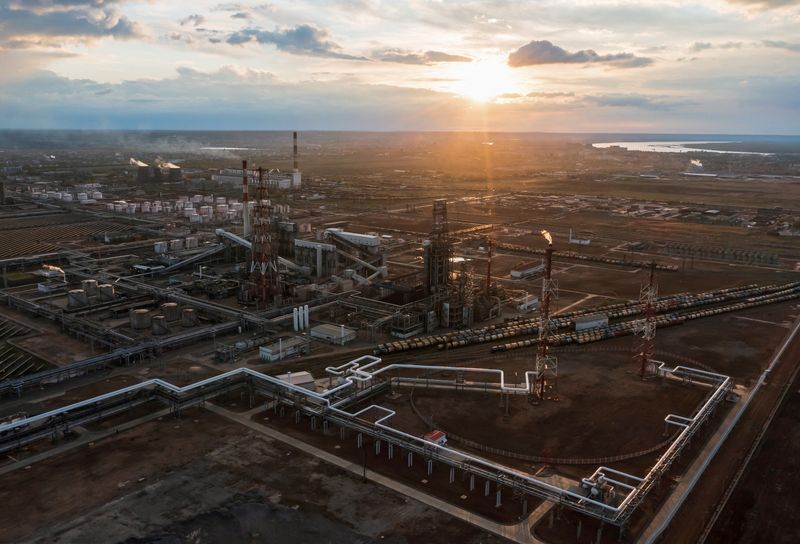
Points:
(674, 147)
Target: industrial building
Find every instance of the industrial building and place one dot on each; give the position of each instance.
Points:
(284, 347)
(333, 334)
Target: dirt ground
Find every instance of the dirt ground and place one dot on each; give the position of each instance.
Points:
(764, 506)
(603, 410)
(437, 483)
(204, 479)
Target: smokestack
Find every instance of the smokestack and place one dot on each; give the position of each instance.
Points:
(245, 201)
(294, 139)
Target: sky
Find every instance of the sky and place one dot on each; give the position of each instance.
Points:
(674, 66)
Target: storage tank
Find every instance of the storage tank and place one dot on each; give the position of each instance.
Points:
(206, 210)
(97, 195)
(160, 325)
(90, 286)
(191, 242)
(105, 292)
(176, 245)
(66, 197)
(220, 200)
(77, 298)
(140, 319)
(82, 196)
(171, 311)
(197, 198)
(160, 247)
(189, 317)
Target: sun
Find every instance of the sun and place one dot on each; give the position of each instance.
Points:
(481, 81)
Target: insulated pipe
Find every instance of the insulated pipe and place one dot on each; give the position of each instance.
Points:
(352, 371)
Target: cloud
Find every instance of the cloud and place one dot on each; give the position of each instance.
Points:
(633, 100)
(55, 21)
(426, 58)
(540, 52)
(763, 5)
(779, 44)
(194, 20)
(697, 47)
(300, 40)
(240, 15)
(550, 95)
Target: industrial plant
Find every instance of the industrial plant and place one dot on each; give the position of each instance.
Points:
(535, 360)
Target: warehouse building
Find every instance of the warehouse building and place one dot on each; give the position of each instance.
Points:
(334, 334)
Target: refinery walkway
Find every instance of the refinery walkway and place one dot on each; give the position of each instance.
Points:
(519, 532)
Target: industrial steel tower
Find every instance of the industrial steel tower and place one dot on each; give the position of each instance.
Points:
(647, 326)
(438, 252)
(264, 276)
(546, 364)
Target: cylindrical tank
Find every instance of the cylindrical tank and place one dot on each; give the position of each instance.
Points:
(176, 244)
(160, 325)
(171, 311)
(82, 196)
(97, 195)
(105, 291)
(191, 242)
(189, 317)
(160, 247)
(140, 319)
(77, 298)
(66, 197)
(90, 286)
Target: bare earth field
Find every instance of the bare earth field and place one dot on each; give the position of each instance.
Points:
(204, 479)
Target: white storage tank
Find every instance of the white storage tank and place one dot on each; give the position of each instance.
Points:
(197, 198)
(206, 210)
(77, 298)
(220, 200)
(191, 242)
(160, 247)
(105, 292)
(160, 325)
(171, 311)
(82, 196)
(140, 319)
(97, 195)
(188, 317)
(66, 197)
(176, 245)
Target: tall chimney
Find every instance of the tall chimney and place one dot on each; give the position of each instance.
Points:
(294, 139)
(245, 201)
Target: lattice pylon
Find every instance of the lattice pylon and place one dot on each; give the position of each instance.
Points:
(646, 327)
